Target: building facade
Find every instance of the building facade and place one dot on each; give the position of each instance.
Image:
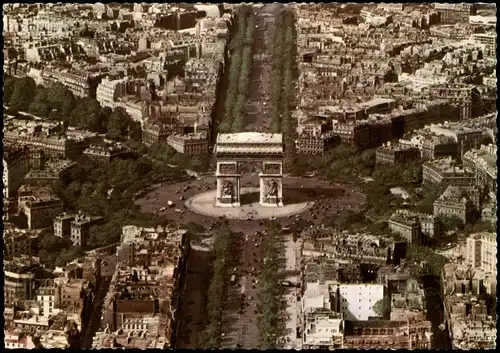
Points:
(41, 213)
(396, 154)
(15, 167)
(455, 202)
(444, 171)
(189, 144)
(481, 251)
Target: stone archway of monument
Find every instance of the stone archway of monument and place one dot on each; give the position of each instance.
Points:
(246, 154)
(251, 167)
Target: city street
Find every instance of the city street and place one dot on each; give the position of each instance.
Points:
(108, 267)
(257, 107)
(293, 310)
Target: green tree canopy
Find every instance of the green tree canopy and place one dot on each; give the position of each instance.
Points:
(88, 114)
(118, 123)
(61, 99)
(449, 223)
(8, 88)
(40, 106)
(383, 307)
(23, 94)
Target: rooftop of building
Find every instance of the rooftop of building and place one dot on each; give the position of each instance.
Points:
(81, 218)
(395, 147)
(199, 136)
(11, 230)
(489, 236)
(486, 153)
(404, 216)
(128, 341)
(22, 265)
(456, 193)
(350, 326)
(249, 138)
(57, 165)
(12, 152)
(135, 234)
(452, 272)
(447, 165)
(405, 270)
(321, 271)
(107, 148)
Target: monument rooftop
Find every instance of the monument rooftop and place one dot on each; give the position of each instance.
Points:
(249, 143)
(250, 137)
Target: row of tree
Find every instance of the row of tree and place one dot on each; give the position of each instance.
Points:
(57, 102)
(282, 88)
(277, 75)
(241, 54)
(271, 323)
(224, 246)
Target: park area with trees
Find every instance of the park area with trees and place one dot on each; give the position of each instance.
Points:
(106, 190)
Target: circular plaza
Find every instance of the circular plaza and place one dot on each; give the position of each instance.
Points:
(204, 203)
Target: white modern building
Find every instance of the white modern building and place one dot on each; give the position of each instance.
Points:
(323, 328)
(108, 91)
(46, 297)
(481, 251)
(357, 300)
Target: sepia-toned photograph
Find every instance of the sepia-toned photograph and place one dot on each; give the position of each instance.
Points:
(239, 176)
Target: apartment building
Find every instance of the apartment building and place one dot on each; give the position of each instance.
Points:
(308, 144)
(323, 329)
(62, 224)
(75, 227)
(80, 228)
(81, 83)
(17, 242)
(454, 13)
(189, 144)
(106, 153)
(19, 283)
(466, 315)
(444, 171)
(396, 154)
(483, 162)
(481, 251)
(357, 134)
(153, 132)
(414, 227)
(40, 205)
(15, 167)
(407, 225)
(109, 90)
(149, 305)
(54, 146)
(40, 213)
(46, 297)
(488, 40)
(53, 171)
(455, 201)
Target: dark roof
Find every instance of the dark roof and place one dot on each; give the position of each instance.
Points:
(135, 306)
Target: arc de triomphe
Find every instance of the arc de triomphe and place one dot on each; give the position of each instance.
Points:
(233, 150)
